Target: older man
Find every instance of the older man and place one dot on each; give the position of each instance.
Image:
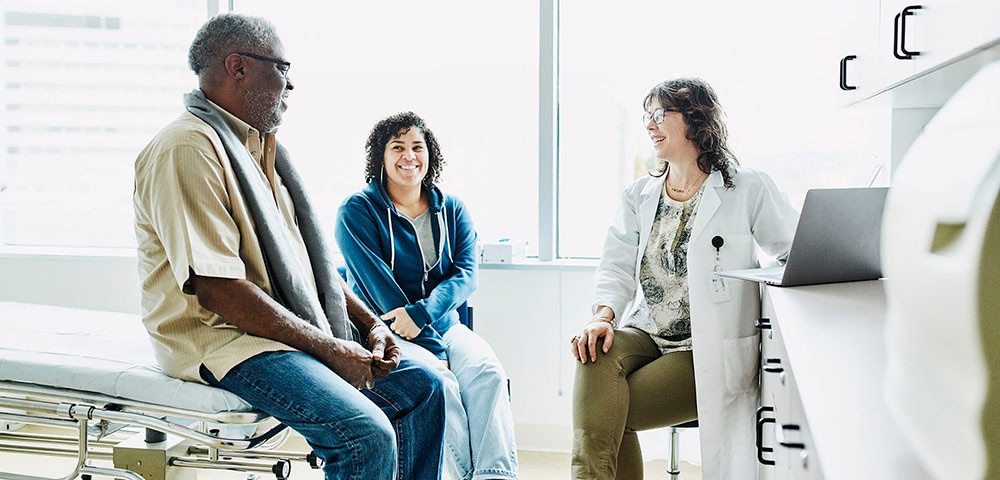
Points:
(238, 290)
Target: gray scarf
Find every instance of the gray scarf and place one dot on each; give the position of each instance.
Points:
(324, 307)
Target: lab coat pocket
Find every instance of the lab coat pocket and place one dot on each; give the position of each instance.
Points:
(741, 357)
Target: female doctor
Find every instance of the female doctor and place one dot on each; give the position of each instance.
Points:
(669, 340)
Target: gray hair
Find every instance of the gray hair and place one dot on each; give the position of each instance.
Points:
(227, 33)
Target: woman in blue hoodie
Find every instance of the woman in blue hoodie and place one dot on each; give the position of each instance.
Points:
(410, 252)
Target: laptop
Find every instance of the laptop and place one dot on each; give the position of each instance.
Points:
(837, 240)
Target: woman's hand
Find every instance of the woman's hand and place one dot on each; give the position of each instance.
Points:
(585, 344)
(402, 324)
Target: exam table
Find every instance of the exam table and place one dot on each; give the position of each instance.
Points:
(90, 377)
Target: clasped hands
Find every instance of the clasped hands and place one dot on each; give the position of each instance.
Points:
(361, 367)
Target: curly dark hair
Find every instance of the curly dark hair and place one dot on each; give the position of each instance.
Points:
(392, 127)
(705, 121)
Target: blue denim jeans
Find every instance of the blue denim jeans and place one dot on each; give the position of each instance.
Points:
(392, 430)
(479, 437)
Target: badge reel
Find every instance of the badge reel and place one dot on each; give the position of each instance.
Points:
(717, 287)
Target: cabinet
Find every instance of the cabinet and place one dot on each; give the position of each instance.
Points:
(786, 449)
(823, 414)
(941, 30)
(883, 45)
(857, 43)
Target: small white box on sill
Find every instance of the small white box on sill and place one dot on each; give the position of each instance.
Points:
(504, 251)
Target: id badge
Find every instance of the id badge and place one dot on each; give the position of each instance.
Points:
(718, 289)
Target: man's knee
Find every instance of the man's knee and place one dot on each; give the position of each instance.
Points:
(383, 437)
(364, 445)
(371, 433)
(434, 382)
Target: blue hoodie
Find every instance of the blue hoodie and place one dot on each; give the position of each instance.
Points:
(385, 266)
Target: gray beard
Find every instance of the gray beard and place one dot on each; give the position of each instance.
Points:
(264, 110)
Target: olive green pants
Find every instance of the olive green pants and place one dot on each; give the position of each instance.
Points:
(632, 387)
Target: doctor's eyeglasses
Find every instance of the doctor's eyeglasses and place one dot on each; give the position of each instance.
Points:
(657, 115)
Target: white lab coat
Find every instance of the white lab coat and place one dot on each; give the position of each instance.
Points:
(725, 342)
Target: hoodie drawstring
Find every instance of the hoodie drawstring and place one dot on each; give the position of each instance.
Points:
(445, 236)
(443, 239)
(392, 240)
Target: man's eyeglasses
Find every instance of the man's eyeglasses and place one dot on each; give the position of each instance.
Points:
(657, 115)
(282, 65)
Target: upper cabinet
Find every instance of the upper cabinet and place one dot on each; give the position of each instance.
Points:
(858, 25)
(914, 53)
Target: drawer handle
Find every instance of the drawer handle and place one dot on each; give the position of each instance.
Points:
(772, 365)
(899, 34)
(761, 449)
(843, 73)
(779, 435)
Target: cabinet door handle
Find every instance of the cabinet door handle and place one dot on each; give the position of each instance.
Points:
(761, 449)
(779, 435)
(899, 34)
(843, 73)
(772, 365)
(763, 323)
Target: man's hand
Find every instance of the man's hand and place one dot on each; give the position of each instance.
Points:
(246, 306)
(385, 352)
(402, 323)
(350, 361)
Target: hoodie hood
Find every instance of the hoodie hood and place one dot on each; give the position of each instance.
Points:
(379, 196)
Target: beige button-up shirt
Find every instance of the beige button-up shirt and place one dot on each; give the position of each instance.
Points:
(191, 216)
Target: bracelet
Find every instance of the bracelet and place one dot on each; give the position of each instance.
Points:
(377, 324)
(612, 321)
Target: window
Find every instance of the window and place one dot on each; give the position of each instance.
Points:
(85, 86)
(772, 68)
(87, 83)
(470, 69)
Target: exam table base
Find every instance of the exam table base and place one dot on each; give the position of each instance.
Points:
(172, 459)
(139, 456)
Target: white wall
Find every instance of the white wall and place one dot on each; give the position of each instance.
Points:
(94, 279)
(526, 312)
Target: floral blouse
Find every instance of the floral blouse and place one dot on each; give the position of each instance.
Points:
(665, 311)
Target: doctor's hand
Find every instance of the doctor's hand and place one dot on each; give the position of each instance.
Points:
(402, 324)
(585, 344)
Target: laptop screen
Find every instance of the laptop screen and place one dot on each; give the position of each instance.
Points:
(838, 236)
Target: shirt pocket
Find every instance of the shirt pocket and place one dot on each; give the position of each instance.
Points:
(740, 357)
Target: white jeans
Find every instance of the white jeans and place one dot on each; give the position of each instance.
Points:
(479, 427)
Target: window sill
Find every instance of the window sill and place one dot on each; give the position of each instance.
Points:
(8, 252)
(533, 263)
(52, 253)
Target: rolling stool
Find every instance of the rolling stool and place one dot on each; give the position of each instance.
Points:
(674, 467)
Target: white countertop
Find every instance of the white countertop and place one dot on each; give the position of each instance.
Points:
(834, 338)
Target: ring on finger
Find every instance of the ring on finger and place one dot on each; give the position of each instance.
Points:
(575, 339)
